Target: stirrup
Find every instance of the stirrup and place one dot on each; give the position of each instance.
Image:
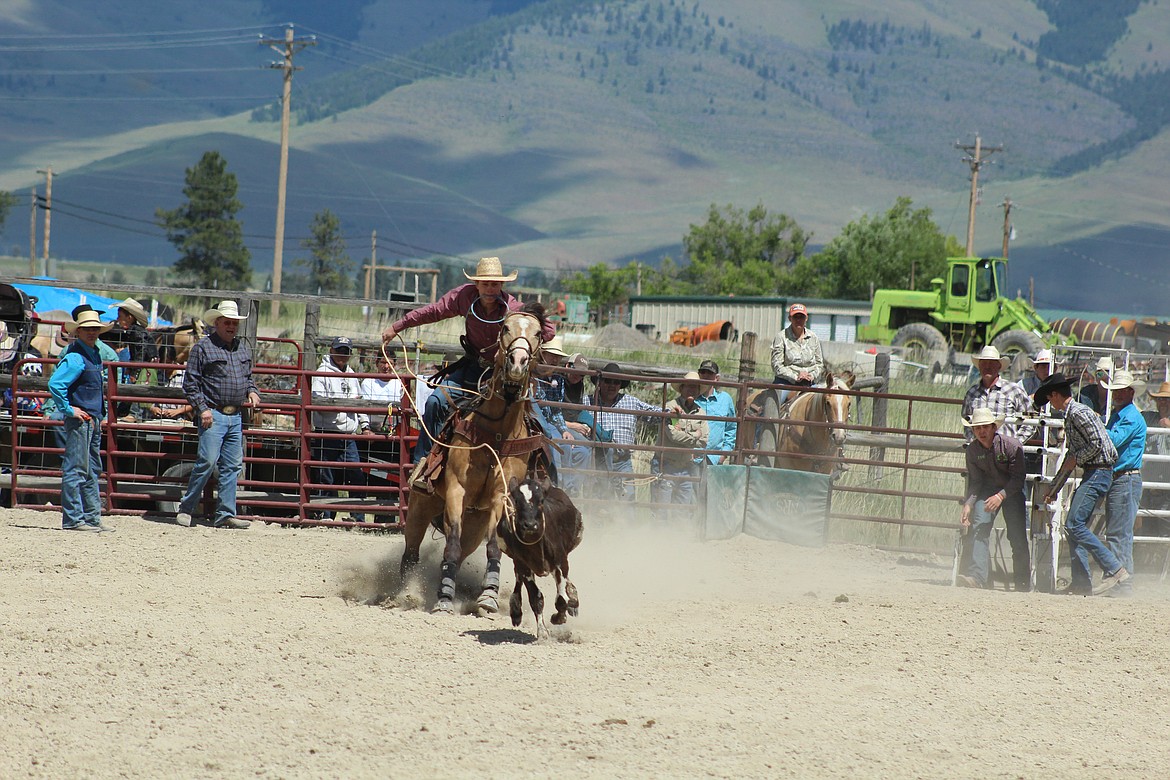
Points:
(418, 480)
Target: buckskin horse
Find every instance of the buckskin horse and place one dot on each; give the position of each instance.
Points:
(488, 447)
(782, 443)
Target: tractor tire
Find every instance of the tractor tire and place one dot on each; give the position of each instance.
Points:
(1013, 342)
(925, 345)
(769, 432)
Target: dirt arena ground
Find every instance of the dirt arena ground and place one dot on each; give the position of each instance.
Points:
(160, 651)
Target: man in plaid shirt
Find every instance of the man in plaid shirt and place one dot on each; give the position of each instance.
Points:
(619, 424)
(1090, 447)
(1006, 400)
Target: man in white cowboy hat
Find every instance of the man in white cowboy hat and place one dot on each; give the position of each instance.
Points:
(218, 384)
(679, 468)
(1043, 364)
(568, 457)
(1005, 399)
(77, 390)
(995, 480)
(134, 344)
(1127, 431)
(484, 304)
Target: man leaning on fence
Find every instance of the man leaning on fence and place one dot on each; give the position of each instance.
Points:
(618, 426)
(717, 403)
(218, 384)
(1005, 399)
(1127, 431)
(995, 480)
(1089, 447)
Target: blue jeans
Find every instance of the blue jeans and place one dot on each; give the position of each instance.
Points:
(567, 456)
(1081, 541)
(344, 451)
(221, 447)
(617, 462)
(977, 549)
(1121, 506)
(439, 403)
(81, 468)
(674, 491)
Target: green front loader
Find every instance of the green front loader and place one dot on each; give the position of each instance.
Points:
(962, 313)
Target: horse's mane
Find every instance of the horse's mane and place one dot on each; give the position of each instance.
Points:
(536, 309)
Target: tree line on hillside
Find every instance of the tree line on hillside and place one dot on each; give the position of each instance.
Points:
(752, 253)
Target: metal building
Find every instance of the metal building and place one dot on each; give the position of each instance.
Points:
(659, 315)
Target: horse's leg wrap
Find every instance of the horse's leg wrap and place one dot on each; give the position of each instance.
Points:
(446, 588)
(489, 596)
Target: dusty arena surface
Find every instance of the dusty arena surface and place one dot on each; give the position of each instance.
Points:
(160, 651)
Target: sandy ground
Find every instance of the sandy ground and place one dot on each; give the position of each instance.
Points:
(160, 651)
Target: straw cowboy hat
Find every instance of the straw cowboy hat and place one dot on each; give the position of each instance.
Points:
(983, 416)
(1163, 391)
(1044, 356)
(133, 308)
(989, 353)
(555, 346)
(489, 269)
(88, 319)
(227, 309)
(1104, 365)
(689, 378)
(1121, 380)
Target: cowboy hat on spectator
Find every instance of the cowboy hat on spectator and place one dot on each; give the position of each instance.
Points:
(611, 368)
(135, 309)
(1163, 391)
(983, 416)
(1121, 380)
(88, 319)
(555, 346)
(489, 269)
(689, 378)
(227, 309)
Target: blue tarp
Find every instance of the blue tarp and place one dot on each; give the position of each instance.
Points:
(66, 298)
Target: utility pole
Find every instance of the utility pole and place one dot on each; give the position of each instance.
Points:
(1007, 224)
(48, 211)
(372, 268)
(975, 158)
(32, 234)
(287, 48)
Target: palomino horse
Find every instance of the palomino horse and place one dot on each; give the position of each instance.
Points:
(786, 439)
(488, 447)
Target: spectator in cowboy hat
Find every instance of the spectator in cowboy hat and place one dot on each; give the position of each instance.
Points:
(1127, 431)
(1042, 366)
(796, 353)
(1090, 447)
(135, 345)
(484, 304)
(568, 456)
(1005, 399)
(617, 424)
(678, 468)
(218, 384)
(995, 480)
(78, 393)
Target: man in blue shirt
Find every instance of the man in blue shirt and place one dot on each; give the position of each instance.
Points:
(1127, 431)
(717, 403)
(76, 387)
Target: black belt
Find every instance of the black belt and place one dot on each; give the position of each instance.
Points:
(1089, 466)
(1127, 471)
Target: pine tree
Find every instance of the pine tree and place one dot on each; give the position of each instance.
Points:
(329, 269)
(205, 229)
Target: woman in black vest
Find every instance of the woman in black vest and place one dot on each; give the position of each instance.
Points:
(76, 387)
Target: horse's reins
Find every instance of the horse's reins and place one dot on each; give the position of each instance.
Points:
(509, 505)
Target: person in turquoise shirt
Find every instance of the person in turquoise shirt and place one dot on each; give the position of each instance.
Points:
(108, 355)
(717, 403)
(1127, 431)
(78, 392)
